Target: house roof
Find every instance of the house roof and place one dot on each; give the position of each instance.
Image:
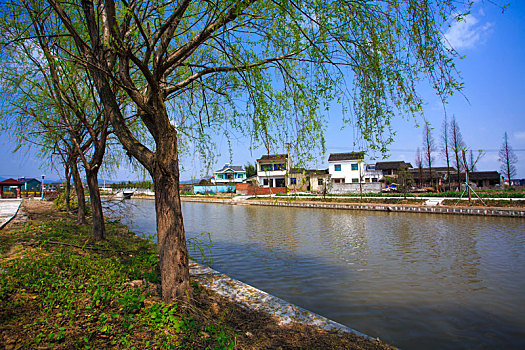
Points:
(318, 172)
(232, 167)
(335, 157)
(484, 175)
(443, 169)
(438, 169)
(10, 182)
(297, 171)
(273, 157)
(479, 175)
(28, 179)
(392, 165)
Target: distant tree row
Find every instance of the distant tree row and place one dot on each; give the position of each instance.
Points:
(456, 154)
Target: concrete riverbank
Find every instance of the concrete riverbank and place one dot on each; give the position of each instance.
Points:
(481, 211)
(256, 299)
(8, 210)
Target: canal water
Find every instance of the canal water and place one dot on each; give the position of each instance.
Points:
(417, 281)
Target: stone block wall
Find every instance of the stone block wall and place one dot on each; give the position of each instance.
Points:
(354, 188)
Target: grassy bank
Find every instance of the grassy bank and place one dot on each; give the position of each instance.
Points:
(61, 290)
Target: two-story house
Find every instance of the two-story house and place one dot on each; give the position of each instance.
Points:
(346, 167)
(371, 174)
(229, 174)
(273, 169)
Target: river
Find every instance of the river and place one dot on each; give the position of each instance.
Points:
(414, 280)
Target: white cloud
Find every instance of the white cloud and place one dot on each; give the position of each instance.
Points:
(520, 135)
(466, 33)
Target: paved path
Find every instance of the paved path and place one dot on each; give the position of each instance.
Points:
(8, 210)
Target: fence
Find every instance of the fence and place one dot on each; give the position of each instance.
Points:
(246, 189)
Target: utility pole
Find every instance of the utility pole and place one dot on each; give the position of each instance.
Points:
(42, 197)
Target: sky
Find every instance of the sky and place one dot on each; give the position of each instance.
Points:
(493, 71)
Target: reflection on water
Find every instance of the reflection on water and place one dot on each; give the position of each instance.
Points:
(415, 280)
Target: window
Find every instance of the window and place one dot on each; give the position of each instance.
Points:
(355, 166)
(320, 182)
(293, 181)
(266, 167)
(354, 181)
(367, 180)
(337, 167)
(374, 179)
(265, 182)
(279, 167)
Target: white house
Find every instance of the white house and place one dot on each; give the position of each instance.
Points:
(273, 169)
(345, 168)
(371, 174)
(228, 174)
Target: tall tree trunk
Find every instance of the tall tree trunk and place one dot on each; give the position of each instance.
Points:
(173, 253)
(163, 167)
(99, 229)
(458, 170)
(68, 187)
(79, 189)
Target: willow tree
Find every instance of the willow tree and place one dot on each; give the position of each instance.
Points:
(57, 102)
(267, 69)
(29, 114)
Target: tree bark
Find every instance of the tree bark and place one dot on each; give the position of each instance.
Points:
(68, 187)
(79, 189)
(173, 253)
(99, 229)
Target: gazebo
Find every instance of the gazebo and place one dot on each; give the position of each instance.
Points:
(11, 183)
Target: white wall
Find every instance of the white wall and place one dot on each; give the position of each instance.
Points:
(354, 188)
(346, 170)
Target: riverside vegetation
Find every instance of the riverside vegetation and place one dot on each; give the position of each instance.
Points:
(60, 289)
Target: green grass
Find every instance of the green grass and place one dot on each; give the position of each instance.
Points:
(453, 194)
(61, 296)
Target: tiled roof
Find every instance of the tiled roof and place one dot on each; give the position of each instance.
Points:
(334, 157)
(318, 172)
(441, 169)
(392, 165)
(273, 157)
(28, 179)
(484, 175)
(232, 167)
(11, 182)
(478, 175)
(297, 171)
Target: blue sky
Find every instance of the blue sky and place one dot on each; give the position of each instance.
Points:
(493, 71)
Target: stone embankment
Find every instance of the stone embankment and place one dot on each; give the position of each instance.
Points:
(256, 299)
(483, 211)
(8, 210)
